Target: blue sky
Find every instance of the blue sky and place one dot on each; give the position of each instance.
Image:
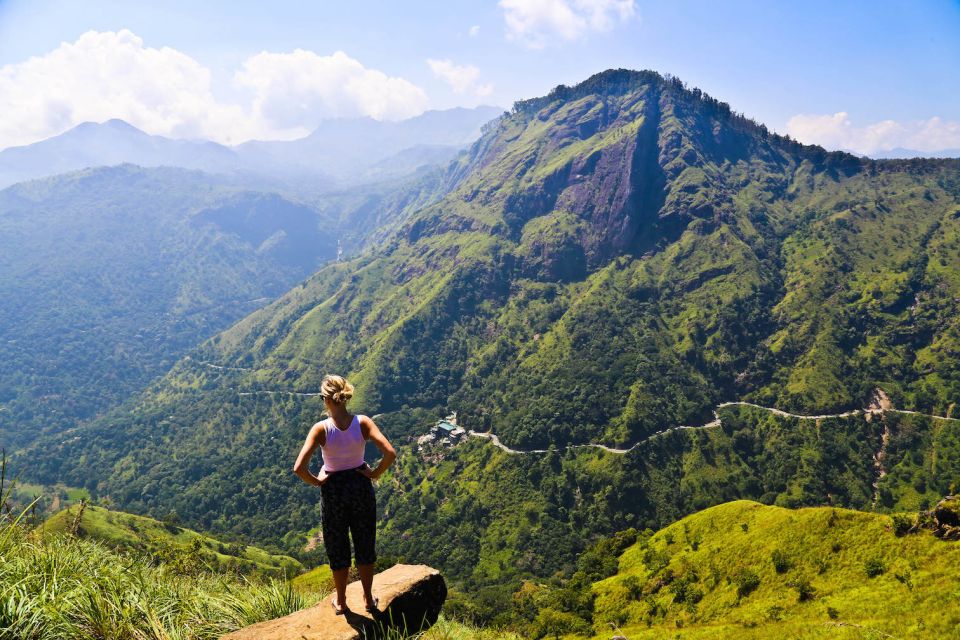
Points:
(861, 75)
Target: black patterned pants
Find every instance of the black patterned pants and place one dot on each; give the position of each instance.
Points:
(348, 504)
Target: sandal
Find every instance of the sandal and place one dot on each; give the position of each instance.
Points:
(337, 610)
(372, 608)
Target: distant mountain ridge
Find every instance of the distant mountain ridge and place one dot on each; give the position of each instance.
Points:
(109, 143)
(338, 153)
(901, 153)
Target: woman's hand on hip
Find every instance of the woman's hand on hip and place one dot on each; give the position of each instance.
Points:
(322, 476)
(367, 472)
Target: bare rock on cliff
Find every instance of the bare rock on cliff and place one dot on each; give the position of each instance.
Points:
(946, 518)
(411, 597)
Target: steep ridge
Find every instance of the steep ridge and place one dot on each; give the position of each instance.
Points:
(614, 260)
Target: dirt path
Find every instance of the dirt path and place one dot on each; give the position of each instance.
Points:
(878, 460)
(219, 367)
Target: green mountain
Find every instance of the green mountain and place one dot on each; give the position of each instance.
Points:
(746, 570)
(613, 260)
(109, 276)
(167, 542)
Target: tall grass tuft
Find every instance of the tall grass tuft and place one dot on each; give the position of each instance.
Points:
(61, 587)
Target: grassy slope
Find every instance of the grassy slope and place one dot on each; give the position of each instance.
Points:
(830, 547)
(66, 588)
(139, 533)
(318, 580)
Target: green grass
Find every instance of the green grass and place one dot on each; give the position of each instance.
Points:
(318, 580)
(143, 534)
(708, 555)
(447, 629)
(56, 585)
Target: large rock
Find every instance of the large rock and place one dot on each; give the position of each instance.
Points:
(946, 518)
(411, 597)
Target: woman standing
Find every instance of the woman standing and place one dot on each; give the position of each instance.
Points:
(346, 487)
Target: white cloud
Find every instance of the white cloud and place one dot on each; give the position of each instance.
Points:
(483, 90)
(111, 75)
(837, 131)
(163, 91)
(301, 88)
(461, 78)
(536, 23)
(474, 31)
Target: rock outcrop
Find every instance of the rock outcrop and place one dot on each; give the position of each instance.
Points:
(410, 596)
(946, 518)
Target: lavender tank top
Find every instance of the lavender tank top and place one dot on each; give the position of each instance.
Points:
(344, 449)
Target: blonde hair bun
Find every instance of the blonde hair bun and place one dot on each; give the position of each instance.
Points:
(336, 388)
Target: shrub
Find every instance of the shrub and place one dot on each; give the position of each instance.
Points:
(685, 591)
(832, 613)
(747, 582)
(781, 563)
(805, 590)
(874, 567)
(633, 587)
(904, 579)
(902, 523)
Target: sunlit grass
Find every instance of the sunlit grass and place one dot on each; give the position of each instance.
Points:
(62, 587)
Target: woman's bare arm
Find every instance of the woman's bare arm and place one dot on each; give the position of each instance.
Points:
(372, 433)
(316, 438)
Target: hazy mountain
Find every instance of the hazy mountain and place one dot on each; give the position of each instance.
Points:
(901, 153)
(110, 143)
(353, 150)
(339, 153)
(610, 261)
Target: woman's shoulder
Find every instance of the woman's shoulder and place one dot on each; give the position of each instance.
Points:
(364, 423)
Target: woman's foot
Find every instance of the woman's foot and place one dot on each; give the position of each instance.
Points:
(337, 608)
(371, 603)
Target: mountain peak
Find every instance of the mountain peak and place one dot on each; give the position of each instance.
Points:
(609, 82)
(114, 124)
(121, 125)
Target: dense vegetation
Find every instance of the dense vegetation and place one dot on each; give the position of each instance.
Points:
(613, 259)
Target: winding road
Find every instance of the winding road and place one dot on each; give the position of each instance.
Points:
(710, 425)
(716, 422)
